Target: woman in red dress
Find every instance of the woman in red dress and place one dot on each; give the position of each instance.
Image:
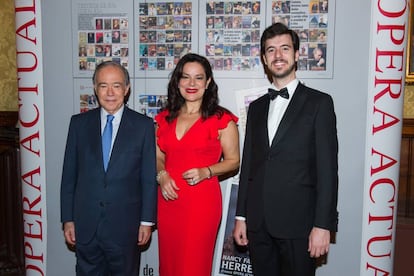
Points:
(197, 140)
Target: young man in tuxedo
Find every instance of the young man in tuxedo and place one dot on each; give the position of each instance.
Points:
(108, 189)
(287, 200)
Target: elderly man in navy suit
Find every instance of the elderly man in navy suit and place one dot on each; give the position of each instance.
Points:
(287, 196)
(108, 189)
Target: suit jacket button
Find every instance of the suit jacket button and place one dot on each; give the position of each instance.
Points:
(101, 204)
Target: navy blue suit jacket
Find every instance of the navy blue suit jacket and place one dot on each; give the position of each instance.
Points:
(126, 193)
(292, 184)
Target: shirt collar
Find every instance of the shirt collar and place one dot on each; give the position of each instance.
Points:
(291, 87)
(117, 115)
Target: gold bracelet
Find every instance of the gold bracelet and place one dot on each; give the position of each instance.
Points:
(160, 174)
(211, 173)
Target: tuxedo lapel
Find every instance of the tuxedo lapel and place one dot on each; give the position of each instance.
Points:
(292, 111)
(261, 129)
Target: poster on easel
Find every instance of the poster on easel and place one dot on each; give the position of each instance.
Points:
(230, 259)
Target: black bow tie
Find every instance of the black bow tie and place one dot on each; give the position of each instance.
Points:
(282, 93)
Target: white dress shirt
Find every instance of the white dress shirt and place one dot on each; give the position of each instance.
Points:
(277, 108)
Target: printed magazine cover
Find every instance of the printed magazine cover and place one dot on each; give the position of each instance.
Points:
(234, 259)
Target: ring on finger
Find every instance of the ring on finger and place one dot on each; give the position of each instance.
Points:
(165, 193)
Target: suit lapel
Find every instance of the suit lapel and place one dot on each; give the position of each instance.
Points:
(93, 128)
(292, 111)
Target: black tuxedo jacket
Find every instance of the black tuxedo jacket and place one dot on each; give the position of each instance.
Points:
(126, 193)
(291, 186)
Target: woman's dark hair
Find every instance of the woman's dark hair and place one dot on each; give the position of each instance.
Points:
(121, 68)
(209, 105)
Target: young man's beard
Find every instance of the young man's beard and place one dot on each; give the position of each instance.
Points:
(283, 74)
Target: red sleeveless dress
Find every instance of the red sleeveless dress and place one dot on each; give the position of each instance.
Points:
(188, 226)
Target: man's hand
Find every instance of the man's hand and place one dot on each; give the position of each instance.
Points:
(240, 232)
(319, 240)
(69, 232)
(144, 234)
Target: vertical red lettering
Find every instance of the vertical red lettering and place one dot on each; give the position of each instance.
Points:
(28, 140)
(28, 177)
(388, 120)
(28, 54)
(385, 162)
(392, 14)
(387, 89)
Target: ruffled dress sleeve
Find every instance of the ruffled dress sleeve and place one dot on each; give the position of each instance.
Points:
(221, 123)
(226, 118)
(162, 128)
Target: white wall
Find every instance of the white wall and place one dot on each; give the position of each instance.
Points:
(58, 107)
(348, 88)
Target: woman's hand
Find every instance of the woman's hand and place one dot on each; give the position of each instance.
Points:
(168, 187)
(196, 175)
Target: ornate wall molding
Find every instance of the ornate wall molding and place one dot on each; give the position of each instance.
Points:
(8, 74)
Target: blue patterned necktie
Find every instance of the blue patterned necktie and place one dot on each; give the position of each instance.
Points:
(107, 140)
